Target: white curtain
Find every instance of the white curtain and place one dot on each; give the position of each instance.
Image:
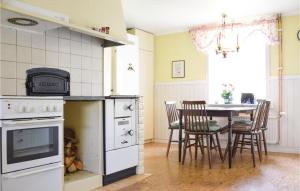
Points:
(204, 37)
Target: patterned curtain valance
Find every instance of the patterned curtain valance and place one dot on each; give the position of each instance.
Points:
(205, 36)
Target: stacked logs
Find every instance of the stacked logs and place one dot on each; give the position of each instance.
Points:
(71, 159)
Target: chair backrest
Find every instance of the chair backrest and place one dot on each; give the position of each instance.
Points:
(172, 112)
(195, 116)
(259, 115)
(266, 114)
(247, 98)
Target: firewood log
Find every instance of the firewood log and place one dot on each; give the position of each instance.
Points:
(68, 145)
(69, 152)
(72, 168)
(69, 161)
(78, 164)
(68, 132)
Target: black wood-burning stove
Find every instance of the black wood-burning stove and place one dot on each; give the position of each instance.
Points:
(47, 82)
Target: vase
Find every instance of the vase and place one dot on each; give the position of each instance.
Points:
(228, 100)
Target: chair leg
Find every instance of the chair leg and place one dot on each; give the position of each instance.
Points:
(186, 139)
(212, 141)
(265, 142)
(200, 140)
(225, 153)
(219, 146)
(235, 144)
(169, 143)
(252, 151)
(258, 142)
(243, 142)
(196, 146)
(208, 149)
(190, 149)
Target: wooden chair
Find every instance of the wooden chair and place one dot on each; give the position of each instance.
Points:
(245, 140)
(252, 129)
(173, 121)
(196, 123)
(264, 126)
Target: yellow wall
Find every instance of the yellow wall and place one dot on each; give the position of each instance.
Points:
(178, 46)
(291, 46)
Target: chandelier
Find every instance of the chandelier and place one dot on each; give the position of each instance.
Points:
(225, 39)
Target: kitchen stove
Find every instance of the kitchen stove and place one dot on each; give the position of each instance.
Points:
(31, 143)
(120, 139)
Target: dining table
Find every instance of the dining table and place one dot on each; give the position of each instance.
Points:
(219, 110)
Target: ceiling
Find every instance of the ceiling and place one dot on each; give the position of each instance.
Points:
(168, 16)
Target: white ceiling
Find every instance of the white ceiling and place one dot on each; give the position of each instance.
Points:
(167, 16)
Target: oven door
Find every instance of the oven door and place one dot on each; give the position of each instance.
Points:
(30, 143)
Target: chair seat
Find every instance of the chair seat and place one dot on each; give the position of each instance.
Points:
(213, 126)
(236, 127)
(212, 123)
(244, 122)
(241, 128)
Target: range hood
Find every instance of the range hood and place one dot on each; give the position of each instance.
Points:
(20, 15)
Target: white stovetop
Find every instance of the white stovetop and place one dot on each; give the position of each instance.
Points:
(33, 97)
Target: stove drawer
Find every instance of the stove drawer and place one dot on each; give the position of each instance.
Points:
(124, 107)
(120, 159)
(123, 132)
(46, 178)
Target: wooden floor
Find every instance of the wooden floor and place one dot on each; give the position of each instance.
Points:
(276, 172)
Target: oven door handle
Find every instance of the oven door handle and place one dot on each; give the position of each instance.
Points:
(18, 175)
(34, 121)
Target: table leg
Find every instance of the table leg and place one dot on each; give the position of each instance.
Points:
(180, 136)
(229, 140)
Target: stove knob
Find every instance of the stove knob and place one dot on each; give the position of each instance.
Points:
(21, 109)
(48, 108)
(130, 132)
(130, 107)
(27, 109)
(56, 108)
(43, 108)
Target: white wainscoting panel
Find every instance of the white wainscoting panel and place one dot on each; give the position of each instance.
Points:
(192, 90)
(288, 136)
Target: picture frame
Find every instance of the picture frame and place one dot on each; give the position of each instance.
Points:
(178, 69)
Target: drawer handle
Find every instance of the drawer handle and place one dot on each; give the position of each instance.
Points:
(124, 142)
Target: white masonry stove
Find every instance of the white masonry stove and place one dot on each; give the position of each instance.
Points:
(120, 139)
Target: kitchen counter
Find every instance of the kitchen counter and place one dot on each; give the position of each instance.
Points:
(84, 98)
(98, 98)
(122, 96)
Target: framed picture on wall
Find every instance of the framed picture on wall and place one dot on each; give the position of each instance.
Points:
(178, 69)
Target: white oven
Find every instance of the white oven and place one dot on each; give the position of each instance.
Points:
(28, 143)
(31, 133)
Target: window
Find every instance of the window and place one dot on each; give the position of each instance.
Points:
(245, 70)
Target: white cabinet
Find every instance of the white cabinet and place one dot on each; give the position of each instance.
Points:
(146, 79)
(121, 68)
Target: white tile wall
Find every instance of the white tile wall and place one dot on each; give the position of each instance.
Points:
(38, 56)
(8, 69)
(9, 36)
(8, 52)
(23, 54)
(23, 38)
(38, 41)
(79, 54)
(51, 59)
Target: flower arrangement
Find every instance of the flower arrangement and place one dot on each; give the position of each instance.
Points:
(227, 93)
